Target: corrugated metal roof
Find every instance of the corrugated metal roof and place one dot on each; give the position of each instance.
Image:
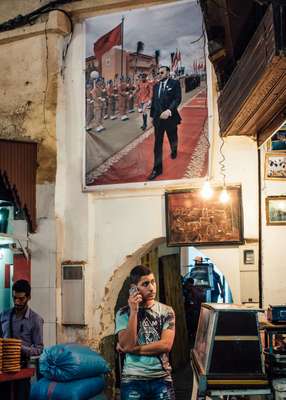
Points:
(18, 167)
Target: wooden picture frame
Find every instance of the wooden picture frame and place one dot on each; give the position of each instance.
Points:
(275, 210)
(278, 140)
(275, 166)
(192, 220)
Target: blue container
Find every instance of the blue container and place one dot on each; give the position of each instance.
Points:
(81, 389)
(66, 362)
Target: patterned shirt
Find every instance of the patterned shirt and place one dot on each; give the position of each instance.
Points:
(151, 322)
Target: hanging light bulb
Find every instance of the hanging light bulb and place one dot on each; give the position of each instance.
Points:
(224, 196)
(207, 190)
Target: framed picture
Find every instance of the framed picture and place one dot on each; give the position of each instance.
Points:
(275, 166)
(248, 257)
(276, 210)
(193, 220)
(124, 51)
(277, 142)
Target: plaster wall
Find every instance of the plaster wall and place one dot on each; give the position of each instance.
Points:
(236, 157)
(43, 262)
(273, 245)
(79, 9)
(30, 67)
(106, 229)
(11, 8)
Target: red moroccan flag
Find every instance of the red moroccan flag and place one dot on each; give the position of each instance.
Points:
(107, 41)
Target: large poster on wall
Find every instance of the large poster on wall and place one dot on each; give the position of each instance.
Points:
(146, 97)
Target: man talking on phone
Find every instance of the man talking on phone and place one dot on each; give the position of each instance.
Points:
(146, 331)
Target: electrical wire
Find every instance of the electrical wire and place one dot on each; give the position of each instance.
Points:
(197, 40)
(222, 161)
(28, 19)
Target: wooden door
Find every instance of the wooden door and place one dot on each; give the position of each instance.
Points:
(171, 293)
(151, 261)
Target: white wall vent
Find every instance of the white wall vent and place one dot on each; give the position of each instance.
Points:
(73, 295)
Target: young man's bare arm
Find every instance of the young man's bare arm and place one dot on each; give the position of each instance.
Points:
(128, 337)
(164, 345)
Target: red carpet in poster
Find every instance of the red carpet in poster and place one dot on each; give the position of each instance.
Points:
(135, 163)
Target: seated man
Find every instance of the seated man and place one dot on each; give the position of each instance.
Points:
(20, 322)
(146, 331)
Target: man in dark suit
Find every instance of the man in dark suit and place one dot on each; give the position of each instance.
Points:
(165, 101)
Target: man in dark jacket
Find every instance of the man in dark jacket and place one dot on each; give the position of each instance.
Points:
(165, 101)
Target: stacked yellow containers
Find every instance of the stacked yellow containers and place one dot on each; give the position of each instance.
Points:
(11, 359)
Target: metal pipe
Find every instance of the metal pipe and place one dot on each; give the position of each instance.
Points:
(260, 286)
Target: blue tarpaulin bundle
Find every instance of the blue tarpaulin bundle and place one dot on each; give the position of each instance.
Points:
(100, 396)
(67, 362)
(81, 389)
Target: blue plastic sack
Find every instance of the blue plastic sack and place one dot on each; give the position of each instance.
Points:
(81, 389)
(66, 362)
(100, 396)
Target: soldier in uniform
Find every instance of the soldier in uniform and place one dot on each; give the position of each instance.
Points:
(116, 97)
(123, 94)
(131, 94)
(144, 93)
(105, 100)
(98, 102)
(111, 92)
(89, 103)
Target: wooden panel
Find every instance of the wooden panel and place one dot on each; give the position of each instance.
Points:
(151, 261)
(264, 109)
(18, 167)
(250, 70)
(169, 268)
(253, 102)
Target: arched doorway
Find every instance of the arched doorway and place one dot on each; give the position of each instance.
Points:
(220, 292)
(165, 264)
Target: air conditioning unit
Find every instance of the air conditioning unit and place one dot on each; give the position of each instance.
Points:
(73, 295)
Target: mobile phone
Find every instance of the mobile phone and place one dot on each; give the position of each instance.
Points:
(133, 290)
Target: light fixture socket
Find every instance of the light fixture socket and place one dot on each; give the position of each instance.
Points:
(224, 196)
(207, 190)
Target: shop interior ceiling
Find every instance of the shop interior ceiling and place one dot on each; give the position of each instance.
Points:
(236, 47)
(230, 24)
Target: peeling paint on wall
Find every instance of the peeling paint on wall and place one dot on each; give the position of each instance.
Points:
(30, 73)
(12, 123)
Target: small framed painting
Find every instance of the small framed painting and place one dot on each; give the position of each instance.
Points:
(275, 166)
(276, 210)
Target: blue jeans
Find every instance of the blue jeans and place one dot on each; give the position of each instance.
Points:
(153, 389)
